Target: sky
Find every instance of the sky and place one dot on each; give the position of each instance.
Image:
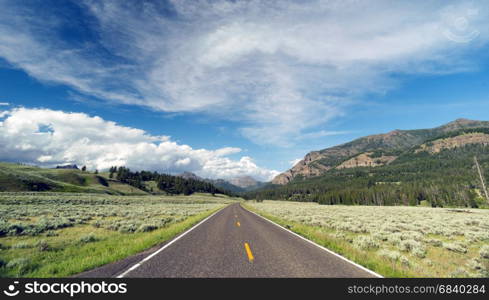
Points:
(230, 88)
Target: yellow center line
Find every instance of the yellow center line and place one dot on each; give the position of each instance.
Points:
(238, 224)
(248, 252)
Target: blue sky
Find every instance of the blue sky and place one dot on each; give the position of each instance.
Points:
(236, 88)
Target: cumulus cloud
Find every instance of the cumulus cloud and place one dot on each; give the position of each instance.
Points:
(48, 138)
(4, 104)
(280, 68)
(294, 161)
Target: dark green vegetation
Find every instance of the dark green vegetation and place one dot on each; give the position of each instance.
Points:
(167, 183)
(118, 181)
(447, 177)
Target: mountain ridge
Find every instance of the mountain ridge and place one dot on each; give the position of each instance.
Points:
(236, 184)
(316, 163)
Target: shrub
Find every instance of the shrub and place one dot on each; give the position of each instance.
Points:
(365, 242)
(419, 252)
(51, 233)
(405, 261)
(342, 236)
(43, 246)
(475, 264)
(127, 228)
(476, 236)
(409, 245)
(15, 229)
(429, 262)
(434, 242)
(484, 252)
(391, 255)
(394, 239)
(455, 247)
(21, 264)
(460, 272)
(89, 238)
(21, 245)
(381, 236)
(147, 228)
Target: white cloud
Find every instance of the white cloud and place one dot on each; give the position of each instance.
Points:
(281, 68)
(4, 104)
(48, 138)
(294, 161)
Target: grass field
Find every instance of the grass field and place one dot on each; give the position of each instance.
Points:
(393, 241)
(61, 234)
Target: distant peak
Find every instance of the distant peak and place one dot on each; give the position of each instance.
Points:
(462, 121)
(243, 181)
(189, 175)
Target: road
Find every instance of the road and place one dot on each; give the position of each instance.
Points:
(237, 243)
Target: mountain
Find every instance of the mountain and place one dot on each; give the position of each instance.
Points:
(441, 167)
(226, 185)
(237, 184)
(220, 183)
(190, 175)
(244, 181)
(390, 144)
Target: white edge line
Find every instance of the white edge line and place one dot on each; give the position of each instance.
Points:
(321, 247)
(137, 265)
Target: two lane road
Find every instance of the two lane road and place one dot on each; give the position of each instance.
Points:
(237, 243)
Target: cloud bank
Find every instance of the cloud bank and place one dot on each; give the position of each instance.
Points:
(281, 69)
(49, 138)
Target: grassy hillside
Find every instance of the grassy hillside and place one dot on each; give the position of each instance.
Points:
(17, 178)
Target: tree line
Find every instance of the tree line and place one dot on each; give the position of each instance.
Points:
(445, 179)
(164, 182)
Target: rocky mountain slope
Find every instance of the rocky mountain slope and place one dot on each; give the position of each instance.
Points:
(244, 181)
(387, 145)
(236, 184)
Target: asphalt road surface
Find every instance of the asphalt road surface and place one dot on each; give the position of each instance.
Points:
(235, 243)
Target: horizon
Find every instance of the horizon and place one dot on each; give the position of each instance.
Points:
(221, 90)
(239, 176)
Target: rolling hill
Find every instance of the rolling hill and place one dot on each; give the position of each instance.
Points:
(121, 181)
(17, 178)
